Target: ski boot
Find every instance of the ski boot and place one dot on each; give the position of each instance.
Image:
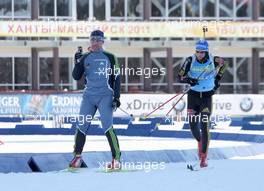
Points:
(203, 160)
(76, 162)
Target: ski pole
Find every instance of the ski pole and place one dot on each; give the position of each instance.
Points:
(183, 93)
(187, 90)
(205, 29)
(161, 105)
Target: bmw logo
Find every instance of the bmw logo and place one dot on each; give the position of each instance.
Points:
(246, 104)
(180, 106)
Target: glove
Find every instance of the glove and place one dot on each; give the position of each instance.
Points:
(116, 103)
(216, 82)
(192, 81)
(77, 56)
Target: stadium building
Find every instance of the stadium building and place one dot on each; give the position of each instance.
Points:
(45, 62)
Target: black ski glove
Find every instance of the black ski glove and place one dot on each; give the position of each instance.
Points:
(78, 55)
(192, 81)
(116, 103)
(216, 82)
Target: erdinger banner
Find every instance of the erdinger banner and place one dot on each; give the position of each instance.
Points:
(226, 29)
(136, 104)
(36, 104)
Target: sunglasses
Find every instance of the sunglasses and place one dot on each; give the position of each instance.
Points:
(200, 52)
(96, 38)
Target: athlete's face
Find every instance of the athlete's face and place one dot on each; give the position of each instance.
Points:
(96, 43)
(200, 55)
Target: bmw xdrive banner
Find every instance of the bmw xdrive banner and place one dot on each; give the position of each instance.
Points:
(136, 104)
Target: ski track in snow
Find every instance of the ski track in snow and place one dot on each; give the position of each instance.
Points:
(225, 175)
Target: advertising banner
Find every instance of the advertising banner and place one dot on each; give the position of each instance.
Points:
(36, 104)
(151, 29)
(223, 104)
(136, 104)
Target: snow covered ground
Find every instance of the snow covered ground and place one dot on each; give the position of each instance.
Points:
(222, 175)
(236, 174)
